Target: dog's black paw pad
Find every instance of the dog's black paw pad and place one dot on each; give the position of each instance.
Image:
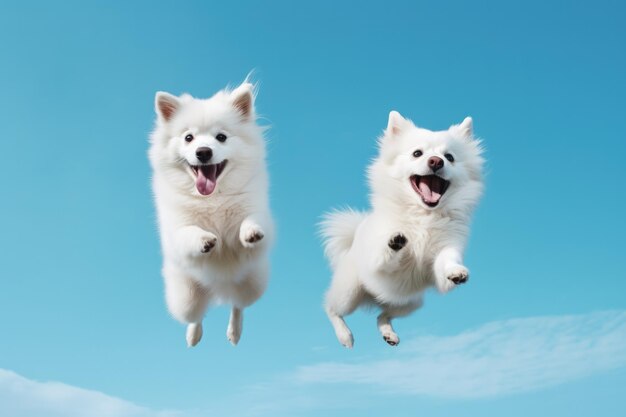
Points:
(459, 279)
(390, 341)
(397, 242)
(255, 237)
(207, 245)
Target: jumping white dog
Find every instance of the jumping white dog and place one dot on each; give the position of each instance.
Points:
(425, 186)
(211, 191)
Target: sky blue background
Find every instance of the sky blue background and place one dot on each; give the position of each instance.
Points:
(81, 297)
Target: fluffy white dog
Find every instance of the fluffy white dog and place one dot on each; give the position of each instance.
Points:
(211, 191)
(425, 186)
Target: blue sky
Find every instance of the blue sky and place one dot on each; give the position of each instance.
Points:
(540, 328)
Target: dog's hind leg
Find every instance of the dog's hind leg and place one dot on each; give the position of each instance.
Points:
(187, 301)
(343, 297)
(391, 312)
(245, 293)
(235, 325)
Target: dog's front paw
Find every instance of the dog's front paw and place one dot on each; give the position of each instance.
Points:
(458, 275)
(207, 242)
(250, 235)
(454, 275)
(397, 242)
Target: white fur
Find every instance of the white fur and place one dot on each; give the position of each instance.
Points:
(366, 270)
(234, 270)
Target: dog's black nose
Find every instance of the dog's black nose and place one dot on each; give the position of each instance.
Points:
(435, 163)
(205, 154)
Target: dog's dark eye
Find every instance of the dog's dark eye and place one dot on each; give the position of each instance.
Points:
(418, 153)
(221, 137)
(189, 138)
(449, 157)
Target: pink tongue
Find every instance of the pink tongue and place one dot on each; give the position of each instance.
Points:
(205, 182)
(428, 195)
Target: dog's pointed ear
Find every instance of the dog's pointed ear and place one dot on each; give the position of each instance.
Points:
(466, 127)
(396, 123)
(166, 105)
(243, 99)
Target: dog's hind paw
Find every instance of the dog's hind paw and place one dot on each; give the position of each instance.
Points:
(391, 338)
(397, 242)
(233, 334)
(345, 338)
(194, 334)
(235, 326)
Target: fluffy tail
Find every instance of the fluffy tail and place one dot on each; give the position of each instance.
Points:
(337, 229)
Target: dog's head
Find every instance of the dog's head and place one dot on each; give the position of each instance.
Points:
(432, 169)
(200, 142)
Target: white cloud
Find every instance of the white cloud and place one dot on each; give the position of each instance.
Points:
(22, 397)
(498, 358)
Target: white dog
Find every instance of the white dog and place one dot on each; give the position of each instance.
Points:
(425, 186)
(211, 191)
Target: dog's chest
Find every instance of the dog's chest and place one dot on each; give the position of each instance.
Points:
(221, 217)
(425, 240)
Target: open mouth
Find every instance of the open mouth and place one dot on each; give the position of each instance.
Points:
(206, 176)
(430, 187)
